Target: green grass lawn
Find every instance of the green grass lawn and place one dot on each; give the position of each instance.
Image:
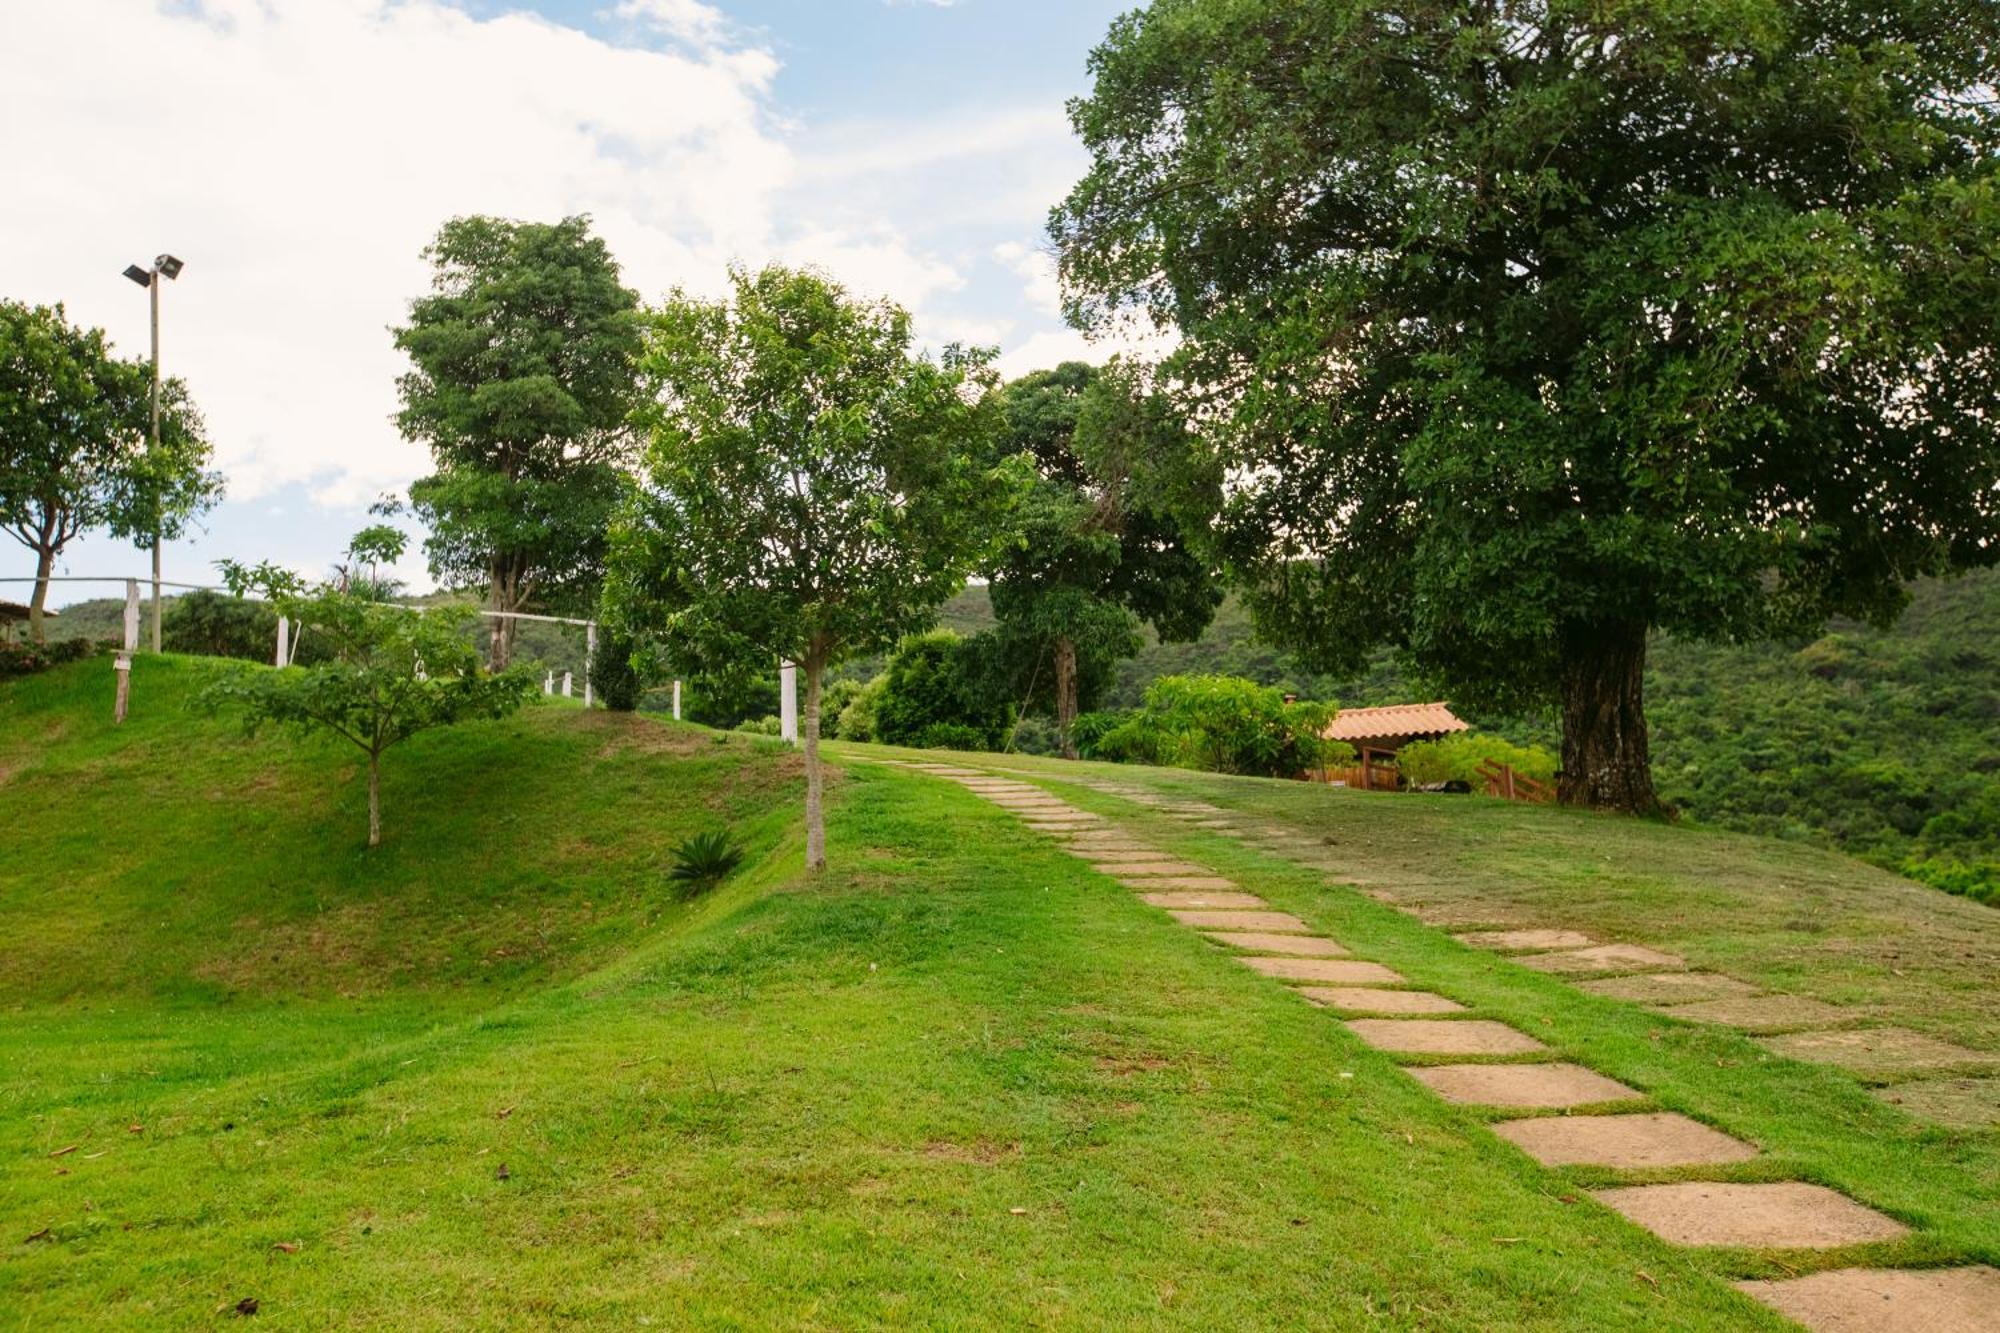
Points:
(961, 1081)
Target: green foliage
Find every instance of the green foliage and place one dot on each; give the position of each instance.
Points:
(75, 452)
(22, 659)
(621, 670)
(1979, 881)
(1522, 329)
(811, 489)
(1457, 759)
(857, 720)
(938, 693)
(522, 383)
(1221, 724)
(213, 624)
(703, 860)
(391, 673)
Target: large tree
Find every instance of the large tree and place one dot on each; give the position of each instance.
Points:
(1094, 553)
(811, 488)
(74, 449)
(522, 383)
(1520, 330)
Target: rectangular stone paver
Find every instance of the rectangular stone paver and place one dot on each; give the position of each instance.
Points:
(1175, 882)
(1876, 1050)
(1339, 971)
(1304, 946)
(1443, 1036)
(1535, 1086)
(1149, 869)
(1368, 1000)
(1281, 922)
(1629, 1142)
(1603, 958)
(1783, 1216)
(1218, 898)
(1763, 1013)
(1887, 1300)
(1527, 939)
(1669, 987)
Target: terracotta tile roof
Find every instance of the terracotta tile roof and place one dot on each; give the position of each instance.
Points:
(1360, 724)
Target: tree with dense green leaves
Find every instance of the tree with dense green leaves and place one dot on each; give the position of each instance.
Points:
(523, 378)
(938, 694)
(1092, 558)
(1517, 330)
(389, 673)
(811, 489)
(74, 449)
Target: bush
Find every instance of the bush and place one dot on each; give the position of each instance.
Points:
(937, 686)
(23, 659)
(1457, 759)
(616, 680)
(1089, 728)
(213, 624)
(763, 726)
(856, 722)
(1220, 724)
(1036, 735)
(1978, 881)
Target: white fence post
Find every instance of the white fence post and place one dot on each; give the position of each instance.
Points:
(131, 619)
(284, 641)
(788, 702)
(589, 658)
(677, 701)
(549, 682)
(566, 685)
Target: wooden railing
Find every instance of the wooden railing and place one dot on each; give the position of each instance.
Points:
(1502, 781)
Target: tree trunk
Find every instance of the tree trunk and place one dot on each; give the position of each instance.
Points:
(500, 597)
(38, 600)
(815, 666)
(374, 800)
(1605, 761)
(1066, 694)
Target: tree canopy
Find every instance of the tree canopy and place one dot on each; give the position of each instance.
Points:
(1091, 556)
(811, 488)
(1517, 330)
(522, 380)
(75, 455)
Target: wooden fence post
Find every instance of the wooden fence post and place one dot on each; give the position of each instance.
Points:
(131, 617)
(284, 641)
(124, 668)
(677, 701)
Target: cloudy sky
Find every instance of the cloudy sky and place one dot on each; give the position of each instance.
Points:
(298, 154)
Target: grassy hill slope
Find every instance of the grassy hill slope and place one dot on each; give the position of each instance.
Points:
(493, 1076)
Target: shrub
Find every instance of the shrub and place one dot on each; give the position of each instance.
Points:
(703, 861)
(763, 726)
(856, 722)
(22, 659)
(1089, 728)
(1221, 724)
(1035, 735)
(213, 624)
(1979, 881)
(617, 681)
(1457, 759)
(937, 686)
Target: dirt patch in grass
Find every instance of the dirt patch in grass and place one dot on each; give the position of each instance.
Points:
(980, 1152)
(628, 733)
(1961, 1103)
(1124, 1066)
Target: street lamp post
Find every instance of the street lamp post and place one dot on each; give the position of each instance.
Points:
(165, 266)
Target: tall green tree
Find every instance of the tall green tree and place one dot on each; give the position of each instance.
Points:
(74, 447)
(523, 378)
(1519, 330)
(811, 489)
(1095, 552)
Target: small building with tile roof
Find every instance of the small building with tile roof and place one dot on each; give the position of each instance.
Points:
(1390, 729)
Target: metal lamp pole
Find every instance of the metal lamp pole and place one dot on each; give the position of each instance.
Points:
(165, 266)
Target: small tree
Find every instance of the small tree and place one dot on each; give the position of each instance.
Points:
(811, 489)
(391, 673)
(74, 454)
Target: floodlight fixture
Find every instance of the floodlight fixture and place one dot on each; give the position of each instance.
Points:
(168, 265)
(139, 275)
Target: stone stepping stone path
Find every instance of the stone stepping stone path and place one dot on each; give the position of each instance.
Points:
(1763, 1013)
(1879, 1300)
(1528, 1087)
(1337, 970)
(1669, 987)
(1790, 1215)
(1393, 1017)
(1876, 1052)
(1443, 1036)
(1368, 1000)
(1628, 1142)
(1302, 946)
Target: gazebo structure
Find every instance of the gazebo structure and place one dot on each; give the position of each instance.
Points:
(1377, 733)
(13, 614)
